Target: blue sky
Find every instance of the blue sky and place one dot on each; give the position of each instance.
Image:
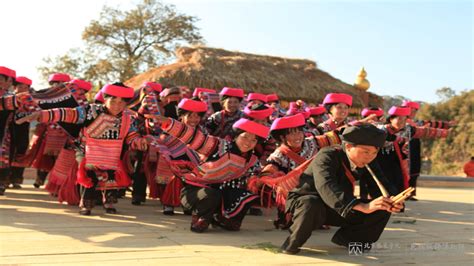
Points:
(408, 48)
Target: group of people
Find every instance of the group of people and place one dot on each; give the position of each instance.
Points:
(218, 155)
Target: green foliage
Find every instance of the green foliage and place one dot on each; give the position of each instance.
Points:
(389, 101)
(121, 44)
(448, 155)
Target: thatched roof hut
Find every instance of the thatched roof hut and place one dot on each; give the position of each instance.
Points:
(215, 68)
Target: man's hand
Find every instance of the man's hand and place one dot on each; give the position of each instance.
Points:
(380, 203)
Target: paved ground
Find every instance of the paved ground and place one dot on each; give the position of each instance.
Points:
(35, 229)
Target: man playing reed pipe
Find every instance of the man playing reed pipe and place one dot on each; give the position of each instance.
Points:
(325, 194)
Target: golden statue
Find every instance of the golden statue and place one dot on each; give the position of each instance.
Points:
(361, 83)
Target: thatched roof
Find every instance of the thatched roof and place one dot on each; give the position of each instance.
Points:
(215, 68)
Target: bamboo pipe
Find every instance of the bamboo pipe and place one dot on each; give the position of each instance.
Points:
(379, 184)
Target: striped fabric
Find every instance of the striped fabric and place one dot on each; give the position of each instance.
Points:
(62, 170)
(430, 133)
(54, 140)
(226, 168)
(196, 140)
(105, 153)
(5, 144)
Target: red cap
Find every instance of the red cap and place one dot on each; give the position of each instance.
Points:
(7, 72)
(318, 110)
(192, 105)
(258, 114)
(295, 111)
(288, 122)
(117, 91)
(399, 111)
(82, 84)
(257, 96)
(61, 77)
(252, 127)
(99, 97)
(169, 91)
(366, 112)
(155, 86)
(232, 92)
(272, 98)
(338, 98)
(199, 90)
(411, 104)
(24, 80)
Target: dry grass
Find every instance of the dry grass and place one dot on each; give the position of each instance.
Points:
(215, 68)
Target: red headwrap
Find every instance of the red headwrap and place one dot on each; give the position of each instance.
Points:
(399, 111)
(338, 98)
(82, 84)
(60, 77)
(366, 112)
(272, 98)
(232, 92)
(252, 127)
(411, 104)
(24, 80)
(192, 105)
(118, 91)
(288, 122)
(257, 96)
(314, 111)
(258, 114)
(7, 72)
(199, 90)
(155, 86)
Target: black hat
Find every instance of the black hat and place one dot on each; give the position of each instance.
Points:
(364, 134)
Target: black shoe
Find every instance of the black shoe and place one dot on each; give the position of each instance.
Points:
(36, 185)
(2, 190)
(339, 240)
(255, 212)
(85, 212)
(111, 210)
(187, 212)
(16, 186)
(168, 210)
(136, 202)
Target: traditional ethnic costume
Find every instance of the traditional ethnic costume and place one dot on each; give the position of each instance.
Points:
(330, 100)
(103, 139)
(220, 124)
(415, 143)
(8, 104)
(325, 195)
(216, 190)
(276, 174)
(392, 156)
(20, 141)
(317, 113)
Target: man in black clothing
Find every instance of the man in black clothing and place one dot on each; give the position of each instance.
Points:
(325, 194)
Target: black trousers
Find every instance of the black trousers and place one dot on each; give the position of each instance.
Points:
(203, 202)
(89, 195)
(4, 176)
(310, 212)
(139, 186)
(17, 175)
